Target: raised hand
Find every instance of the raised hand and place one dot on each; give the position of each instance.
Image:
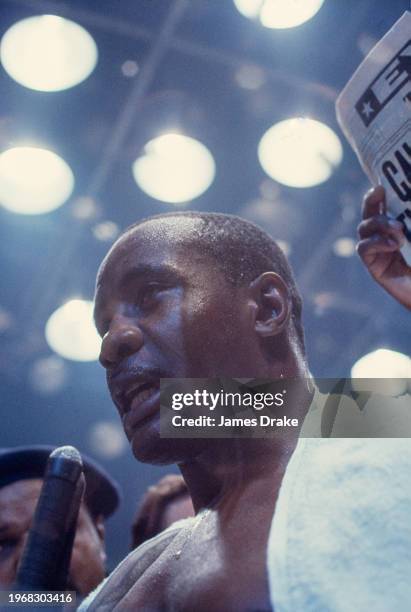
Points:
(381, 238)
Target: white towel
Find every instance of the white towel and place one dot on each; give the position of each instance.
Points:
(340, 539)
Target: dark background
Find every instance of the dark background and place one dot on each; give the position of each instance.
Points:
(99, 127)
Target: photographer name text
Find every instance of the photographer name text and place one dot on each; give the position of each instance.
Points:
(208, 421)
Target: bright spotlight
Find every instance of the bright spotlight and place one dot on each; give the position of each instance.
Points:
(48, 53)
(390, 372)
(279, 14)
(299, 152)
(33, 181)
(344, 247)
(70, 331)
(174, 168)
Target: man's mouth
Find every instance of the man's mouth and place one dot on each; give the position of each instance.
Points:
(142, 403)
(140, 394)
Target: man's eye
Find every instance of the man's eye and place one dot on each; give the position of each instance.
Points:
(148, 295)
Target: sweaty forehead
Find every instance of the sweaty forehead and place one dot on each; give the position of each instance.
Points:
(176, 229)
(152, 243)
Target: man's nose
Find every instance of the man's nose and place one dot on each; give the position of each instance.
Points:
(122, 340)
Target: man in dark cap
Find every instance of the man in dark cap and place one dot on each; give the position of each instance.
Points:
(21, 473)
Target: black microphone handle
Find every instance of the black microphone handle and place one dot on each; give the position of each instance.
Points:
(45, 552)
(63, 574)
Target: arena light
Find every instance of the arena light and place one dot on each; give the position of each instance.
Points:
(284, 246)
(390, 372)
(48, 375)
(107, 439)
(174, 168)
(279, 14)
(48, 53)
(299, 152)
(250, 77)
(106, 231)
(33, 180)
(71, 333)
(344, 247)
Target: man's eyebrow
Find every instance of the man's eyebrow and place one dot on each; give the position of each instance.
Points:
(136, 274)
(143, 272)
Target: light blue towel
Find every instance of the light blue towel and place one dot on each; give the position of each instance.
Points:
(340, 539)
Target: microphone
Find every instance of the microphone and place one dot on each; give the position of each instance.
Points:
(46, 557)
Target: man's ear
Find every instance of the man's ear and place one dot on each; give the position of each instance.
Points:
(101, 531)
(99, 524)
(271, 304)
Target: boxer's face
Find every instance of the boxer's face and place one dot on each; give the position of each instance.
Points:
(164, 310)
(17, 505)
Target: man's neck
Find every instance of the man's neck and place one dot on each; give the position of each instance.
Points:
(228, 467)
(231, 466)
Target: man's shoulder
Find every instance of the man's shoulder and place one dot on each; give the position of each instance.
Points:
(126, 574)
